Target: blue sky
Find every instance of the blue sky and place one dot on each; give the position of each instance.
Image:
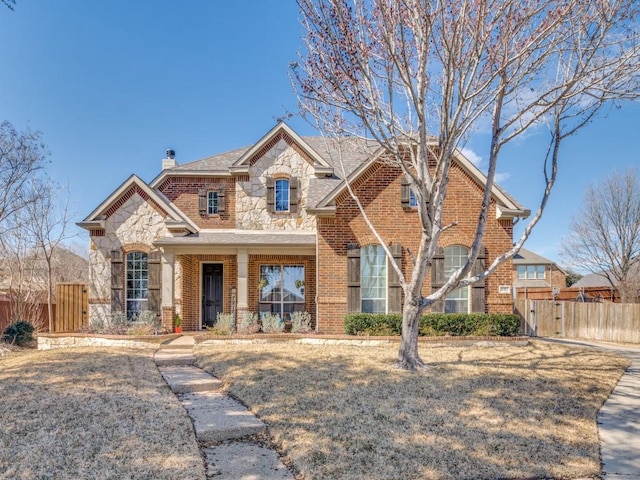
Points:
(113, 84)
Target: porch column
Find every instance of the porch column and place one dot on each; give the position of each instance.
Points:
(243, 280)
(168, 279)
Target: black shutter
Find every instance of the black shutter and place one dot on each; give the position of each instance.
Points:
(437, 278)
(394, 289)
(353, 277)
(221, 201)
(154, 282)
(478, 299)
(405, 193)
(293, 195)
(270, 195)
(117, 282)
(202, 201)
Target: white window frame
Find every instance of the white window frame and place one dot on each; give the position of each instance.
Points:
(381, 268)
(279, 188)
(281, 303)
(532, 272)
(212, 202)
(454, 257)
(137, 292)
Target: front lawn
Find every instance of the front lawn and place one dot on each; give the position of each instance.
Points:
(92, 414)
(478, 413)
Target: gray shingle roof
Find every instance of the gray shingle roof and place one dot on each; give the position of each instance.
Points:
(527, 257)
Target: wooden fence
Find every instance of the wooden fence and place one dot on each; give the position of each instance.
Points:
(610, 322)
(72, 312)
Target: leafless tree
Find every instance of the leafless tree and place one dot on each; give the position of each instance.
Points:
(405, 72)
(48, 228)
(22, 155)
(605, 234)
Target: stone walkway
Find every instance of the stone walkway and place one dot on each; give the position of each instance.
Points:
(224, 427)
(619, 417)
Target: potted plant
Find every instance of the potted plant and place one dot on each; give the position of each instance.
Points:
(177, 322)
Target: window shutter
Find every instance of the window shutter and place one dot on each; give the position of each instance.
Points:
(154, 282)
(202, 201)
(353, 277)
(394, 289)
(270, 195)
(293, 195)
(478, 299)
(405, 193)
(437, 278)
(221, 201)
(117, 281)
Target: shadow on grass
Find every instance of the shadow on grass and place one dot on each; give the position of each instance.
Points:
(92, 414)
(492, 413)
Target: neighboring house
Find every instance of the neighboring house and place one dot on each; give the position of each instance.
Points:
(531, 270)
(272, 228)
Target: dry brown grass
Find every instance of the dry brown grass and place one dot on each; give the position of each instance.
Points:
(92, 414)
(478, 413)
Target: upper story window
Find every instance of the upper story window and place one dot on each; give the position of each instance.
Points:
(373, 279)
(137, 283)
(413, 200)
(282, 195)
(212, 203)
(531, 272)
(457, 301)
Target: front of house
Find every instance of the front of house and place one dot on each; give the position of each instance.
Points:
(272, 228)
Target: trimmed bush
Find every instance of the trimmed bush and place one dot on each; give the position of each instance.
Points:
(300, 322)
(224, 324)
(249, 323)
(272, 323)
(19, 333)
(435, 324)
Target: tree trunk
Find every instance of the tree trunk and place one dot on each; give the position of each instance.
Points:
(408, 357)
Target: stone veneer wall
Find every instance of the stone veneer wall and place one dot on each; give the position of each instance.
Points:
(251, 193)
(135, 225)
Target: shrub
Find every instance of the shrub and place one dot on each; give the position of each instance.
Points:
(147, 323)
(435, 324)
(19, 333)
(224, 324)
(249, 323)
(272, 323)
(300, 322)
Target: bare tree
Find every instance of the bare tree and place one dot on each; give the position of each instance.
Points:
(22, 155)
(605, 234)
(419, 77)
(48, 227)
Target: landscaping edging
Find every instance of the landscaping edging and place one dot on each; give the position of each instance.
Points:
(49, 341)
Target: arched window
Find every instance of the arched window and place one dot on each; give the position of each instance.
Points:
(373, 279)
(282, 195)
(457, 301)
(137, 283)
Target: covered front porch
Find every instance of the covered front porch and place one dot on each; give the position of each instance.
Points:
(235, 271)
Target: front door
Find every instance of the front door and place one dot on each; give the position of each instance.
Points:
(211, 293)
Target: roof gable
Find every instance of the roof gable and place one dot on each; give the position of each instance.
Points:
(135, 185)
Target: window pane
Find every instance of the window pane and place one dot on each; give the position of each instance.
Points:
(136, 282)
(540, 269)
(212, 203)
(458, 300)
(270, 283)
(522, 272)
(293, 283)
(282, 195)
(531, 272)
(373, 279)
(413, 201)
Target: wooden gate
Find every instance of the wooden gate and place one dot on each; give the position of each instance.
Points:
(72, 307)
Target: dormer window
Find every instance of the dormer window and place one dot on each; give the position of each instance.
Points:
(211, 201)
(282, 195)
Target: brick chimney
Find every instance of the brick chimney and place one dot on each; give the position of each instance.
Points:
(170, 161)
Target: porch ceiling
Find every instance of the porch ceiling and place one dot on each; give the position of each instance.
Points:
(241, 238)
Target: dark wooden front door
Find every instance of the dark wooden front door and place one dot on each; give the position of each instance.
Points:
(211, 293)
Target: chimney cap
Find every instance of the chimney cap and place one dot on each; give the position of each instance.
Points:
(171, 153)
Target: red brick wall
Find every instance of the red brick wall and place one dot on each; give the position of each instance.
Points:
(380, 195)
(309, 262)
(183, 192)
(191, 278)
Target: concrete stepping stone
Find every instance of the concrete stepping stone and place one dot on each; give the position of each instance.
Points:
(185, 341)
(176, 356)
(217, 417)
(189, 379)
(246, 461)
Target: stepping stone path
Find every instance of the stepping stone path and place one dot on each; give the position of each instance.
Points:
(224, 427)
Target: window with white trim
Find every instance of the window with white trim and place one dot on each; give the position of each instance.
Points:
(282, 195)
(373, 279)
(212, 203)
(282, 289)
(531, 272)
(457, 301)
(137, 283)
